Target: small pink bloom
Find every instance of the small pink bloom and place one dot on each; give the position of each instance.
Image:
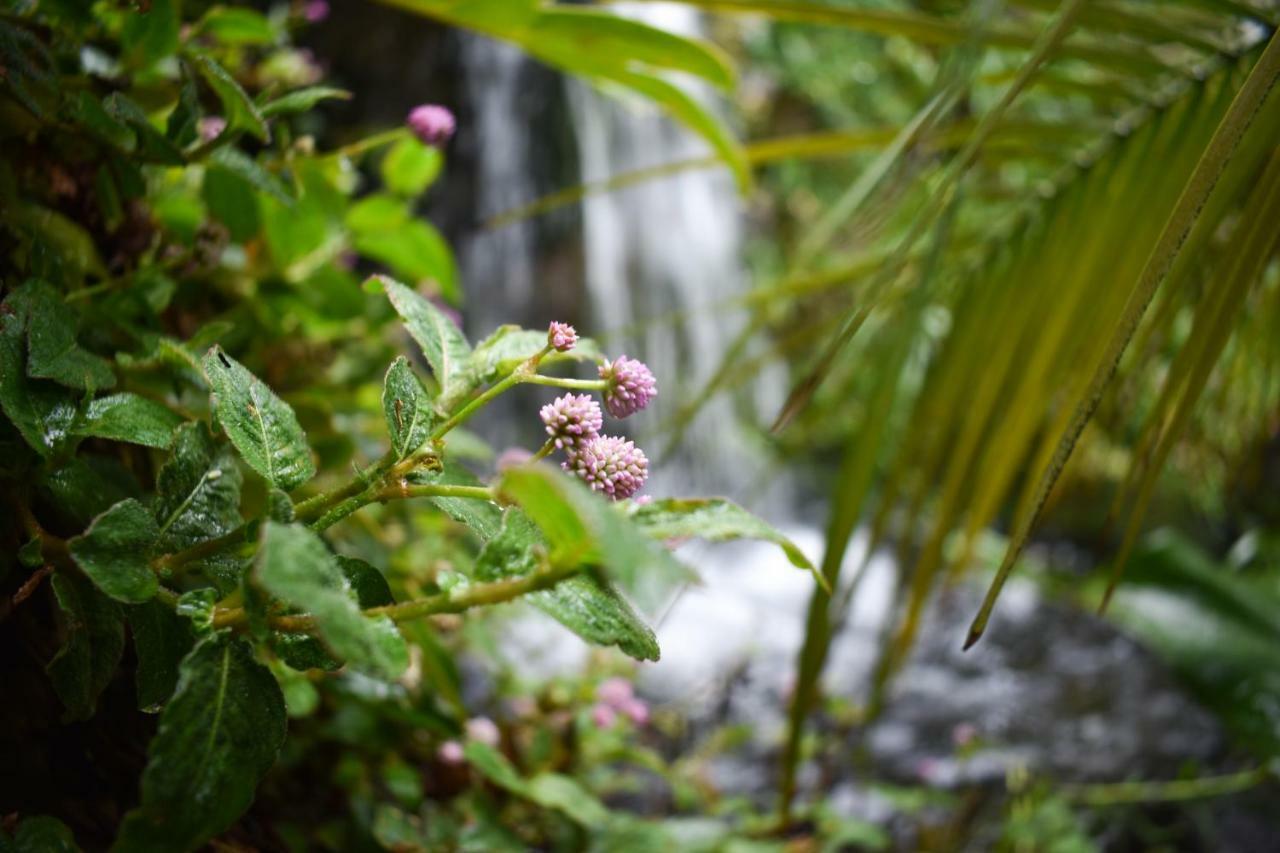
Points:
(603, 716)
(315, 11)
(484, 730)
(572, 419)
(609, 464)
(450, 752)
(512, 457)
(630, 386)
(964, 734)
(210, 127)
(636, 710)
(561, 336)
(432, 123)
(615, 692)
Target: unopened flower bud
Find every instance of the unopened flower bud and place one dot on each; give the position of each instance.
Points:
(432, 123)
(561, 336)
(630, 386)
(571, 420)
(608, 464)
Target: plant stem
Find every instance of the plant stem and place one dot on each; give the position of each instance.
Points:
(378, 493)
(564, 382)
(544, 451)
(318, 505)
(476, 595)
(475, 405)
(369, 143)
(1124, 793)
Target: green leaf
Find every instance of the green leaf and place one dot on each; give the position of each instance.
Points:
(713, 519)
(583, 528)
(41, 411)
(549, 790)
(161, 639)
(245, 167)
(240, 112)
(218, 736)
(407, 407)
(483, 517)
(410, 167)
(442, 342)
(87, 486)
(51, 338)
(295, 566)
(197, 491)
(113, 552)
(232, 26)
(302, 100)
(43, 834)
(230, 197)
(128, 417)
(93, 630)
(414, 250)
(303, 651)
(151, 35)
(89, 113)
(152, 144)
(586, 605)
(377, 212)
(261, 425)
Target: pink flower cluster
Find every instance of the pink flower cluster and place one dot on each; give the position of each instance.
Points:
(608, 464)
(616, 697)
(432, 124)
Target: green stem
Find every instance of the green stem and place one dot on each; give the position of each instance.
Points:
(457, 601)
(318, 505)
(476, 405)
(544, 451)
(1125, 793)
(369, 143)
(562, 382)
(378, 493)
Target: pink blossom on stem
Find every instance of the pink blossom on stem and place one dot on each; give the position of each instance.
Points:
(571, 420)
(615, 692)
(603, 716)
(450, 752)
(611, 465)
(636, 709)
(630, 386)
(561, 336)
(315, 11)
(210, 127)
(432, 123)
(484, 730)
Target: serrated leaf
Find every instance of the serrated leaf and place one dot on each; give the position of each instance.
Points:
(87, 486)
(302, 100)
(128, 417)
(713, 519)
(295, 566)
(483, 517)
(242, 165)
(442, 342)
(197, 491)
(504, 350)
(218, 736)
(240, 112)
(586, 605)
(230, 199)
(42, 412)
(407, 407)
(161, 639)
(583, 528)
(303, 651)
(261, 425)
(53, 352)
(113, 552)
(93, 627)
(410, 167)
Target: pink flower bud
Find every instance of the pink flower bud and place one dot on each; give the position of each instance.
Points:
(450, 752)
(210, 127)
(630, 386)
(636, 710)
(611, 465)
(484, 730)
(315, 11)
(432, 123)
(615, 692)
(572, 419)
(603, 716)
(561, 336)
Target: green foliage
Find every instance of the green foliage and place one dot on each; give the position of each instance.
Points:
(94, 641)
(218, 735)
(114, 551)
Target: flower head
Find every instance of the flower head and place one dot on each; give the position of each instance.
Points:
(561, 336)
(603, 716)
(431, 123)
(315, 11)
(210, 127)
(615, 692)
(571, 420)
(611, 465)
(631, 386)
(484, 730)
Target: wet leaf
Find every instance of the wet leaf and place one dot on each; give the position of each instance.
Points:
(442, 342)
(114, 551)
(407, 407)
(240, 112)
(42, 411)
(161, 639)
(218, 736)
(261, 425)
(295, 566)
(130, 418)
(53, 352)
(302, 100)
(410, 167)
(197, 491)
(43, 834)
(93, 631)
